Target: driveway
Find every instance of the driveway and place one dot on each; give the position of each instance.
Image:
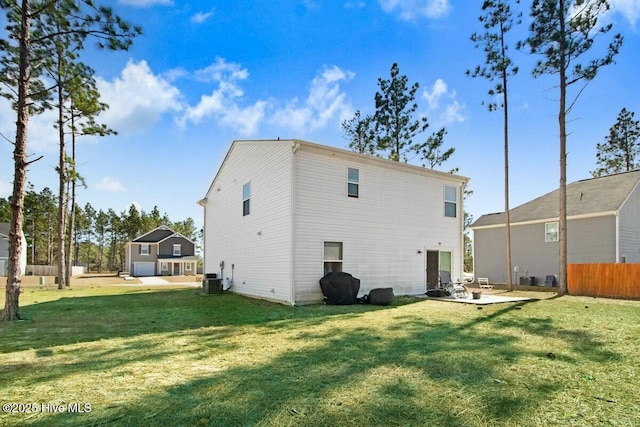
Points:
(153, 281)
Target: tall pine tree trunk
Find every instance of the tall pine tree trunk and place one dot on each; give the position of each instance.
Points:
(11, 305)
(507, 217)
(562, 122)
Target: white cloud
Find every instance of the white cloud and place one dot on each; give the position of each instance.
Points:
(42, 137)
(439, 93)
(137, 99)
(109, 184)
(630, 9)
(145, 3)
(410, 10)
(223, 103)
(324, 102)
(200, 17)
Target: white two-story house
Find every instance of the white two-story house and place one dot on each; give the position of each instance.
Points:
(282, 213)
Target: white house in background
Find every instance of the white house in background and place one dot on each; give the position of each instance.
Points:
(281, 213)
(5, 227)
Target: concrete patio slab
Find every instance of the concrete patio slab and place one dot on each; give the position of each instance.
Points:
(484, 299)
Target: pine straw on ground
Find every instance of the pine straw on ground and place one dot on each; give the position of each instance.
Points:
(173, 356)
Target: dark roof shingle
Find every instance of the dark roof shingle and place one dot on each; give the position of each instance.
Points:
(588, 196)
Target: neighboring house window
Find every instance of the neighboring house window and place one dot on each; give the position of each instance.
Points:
(144, 249)
(187, 266)
(353, 182)
(165, 266)
(246, 199)
(177, 250)
(450, 201)
(551, 232)
(332, 257)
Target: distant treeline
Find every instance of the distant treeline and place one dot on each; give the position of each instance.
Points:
(98, 237)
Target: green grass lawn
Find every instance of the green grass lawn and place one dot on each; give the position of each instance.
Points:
(171, 356)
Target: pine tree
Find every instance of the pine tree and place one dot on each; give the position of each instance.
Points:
(621, 150)
(563, 32)
(498, 20)
(394, 124)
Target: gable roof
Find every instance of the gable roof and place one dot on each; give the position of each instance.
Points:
(297, 143)
(158, 235)
(591, 196)
(155, 235)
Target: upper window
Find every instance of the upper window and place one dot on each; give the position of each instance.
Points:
(353, 182)
(551, 232)
(177, 250)
(332, 257)
(450, 201)
(144, 249)
(246, 199)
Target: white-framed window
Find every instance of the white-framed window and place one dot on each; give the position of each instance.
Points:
(187, 266)
(332, 257)
(246, 199)
(353, 182)
(165, 266)
(445, 261)
(144, 249)
(551, 232)
(177, 250)
(450, 201)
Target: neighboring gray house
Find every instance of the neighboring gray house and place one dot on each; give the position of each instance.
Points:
(161, 252)
(5, 227)
(603, 226)
(279, 214)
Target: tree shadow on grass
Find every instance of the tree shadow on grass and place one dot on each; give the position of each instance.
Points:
(85, 319)
(418, 374)
(410, 371)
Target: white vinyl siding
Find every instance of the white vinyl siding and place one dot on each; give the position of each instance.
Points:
(257, 245)
(396, 218)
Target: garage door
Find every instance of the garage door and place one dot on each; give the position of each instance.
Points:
(144, 268)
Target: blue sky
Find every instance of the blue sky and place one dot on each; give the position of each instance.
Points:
(207, 72)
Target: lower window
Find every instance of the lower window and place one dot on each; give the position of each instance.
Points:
(332, 259)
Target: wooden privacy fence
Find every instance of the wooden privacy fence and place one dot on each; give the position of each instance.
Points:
(604, 280)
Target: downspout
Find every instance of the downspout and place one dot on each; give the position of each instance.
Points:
(292, 211)
(618, 259)
(203, 203)
(461, 234)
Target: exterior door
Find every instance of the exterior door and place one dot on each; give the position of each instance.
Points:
(176, 269)
(433, 263)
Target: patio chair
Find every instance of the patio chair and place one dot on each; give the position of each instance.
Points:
(457, 290)
(484, 283)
